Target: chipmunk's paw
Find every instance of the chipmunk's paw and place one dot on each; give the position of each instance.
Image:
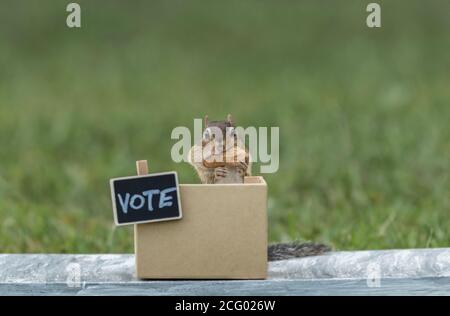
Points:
(220, 172)
(242, 166)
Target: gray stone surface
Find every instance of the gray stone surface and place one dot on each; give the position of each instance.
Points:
(387, 272)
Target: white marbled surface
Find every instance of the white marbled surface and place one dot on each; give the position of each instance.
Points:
(405, 263)
(396, 272)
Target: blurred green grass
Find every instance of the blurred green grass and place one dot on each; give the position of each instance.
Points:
(363, 113)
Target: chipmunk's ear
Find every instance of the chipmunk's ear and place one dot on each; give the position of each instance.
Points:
(229, 119)
(205, 121)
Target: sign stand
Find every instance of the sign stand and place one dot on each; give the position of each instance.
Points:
(141, 167)
(142, 170)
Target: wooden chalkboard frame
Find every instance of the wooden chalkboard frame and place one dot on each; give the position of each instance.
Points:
(113, 198)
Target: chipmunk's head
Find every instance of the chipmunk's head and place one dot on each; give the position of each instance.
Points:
(219, 133)
(221, 145)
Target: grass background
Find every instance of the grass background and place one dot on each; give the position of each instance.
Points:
(363, 113)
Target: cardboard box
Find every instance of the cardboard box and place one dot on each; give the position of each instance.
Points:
(222, 235)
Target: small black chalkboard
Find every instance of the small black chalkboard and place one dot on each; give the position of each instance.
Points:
(150, 198)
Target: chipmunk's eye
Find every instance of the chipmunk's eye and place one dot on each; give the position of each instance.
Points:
(207, 134)
(231, 132)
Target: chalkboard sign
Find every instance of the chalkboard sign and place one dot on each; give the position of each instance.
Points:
(150, 198)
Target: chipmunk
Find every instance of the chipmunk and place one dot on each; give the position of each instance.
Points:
(222, 158)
